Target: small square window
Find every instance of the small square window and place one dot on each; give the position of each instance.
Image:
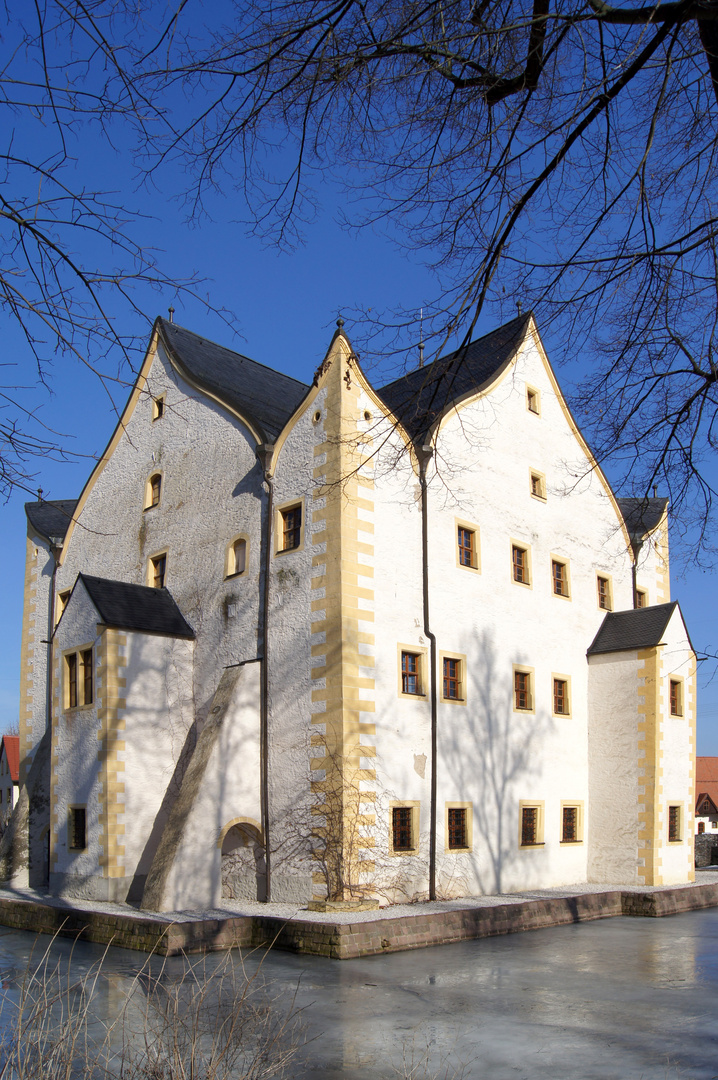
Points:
(291, 528)
(559, 577)
(62, 599)
(560, 697)
(570, 823)
(452, 679)
(79, 679)
(538, 486)
(411, 673)
(467, 546)
(401, 828)
(457, 828)
(676, 697)
(674, 824)
(153, 491)
(533, 400)
(520, 564)
(86, 657)
(641, 598)
(158, 571)
(77, 828)
(603, 585)
(71, 670)
(523, 696)
(236, 558)
(529, 826)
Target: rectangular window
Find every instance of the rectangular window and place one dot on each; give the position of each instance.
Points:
(569, 825)
(62, 599)
(77, 827)
(538, 486)
(457, 828)
(466, 547)
(520, 564)
(401, 830)
(79, 679)
(86, 656)
(603, 585)
(452, 679)
(560, 696)
(159, 569)
(522, 690)
(529, 825)
(559, 575)
(71, 669)
(641, 598)
(410, 673)
(676, 697)
(674, 824)
(291, 528)
(533, 401)
(158, 408)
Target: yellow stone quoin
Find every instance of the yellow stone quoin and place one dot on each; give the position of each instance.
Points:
(343, 505)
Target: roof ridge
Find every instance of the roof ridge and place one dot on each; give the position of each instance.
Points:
(450, 355)
(218, 345)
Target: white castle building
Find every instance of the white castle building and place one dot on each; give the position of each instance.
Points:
(306, 642)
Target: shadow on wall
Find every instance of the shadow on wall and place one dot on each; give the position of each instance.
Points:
(492, 763)
(243, 864)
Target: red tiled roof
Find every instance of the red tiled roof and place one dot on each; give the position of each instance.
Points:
(707, 778)
(11, 744)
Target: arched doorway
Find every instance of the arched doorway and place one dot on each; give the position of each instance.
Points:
(243, 865)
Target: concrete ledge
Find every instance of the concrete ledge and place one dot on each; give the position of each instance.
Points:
(344, 940)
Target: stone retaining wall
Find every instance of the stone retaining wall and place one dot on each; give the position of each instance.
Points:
(343, 941)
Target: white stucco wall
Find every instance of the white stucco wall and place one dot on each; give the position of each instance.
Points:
(229, 792)
(676, 662)
(75, 757)
(158, 671)
(211, 492)
(613, 767)
(490, 755)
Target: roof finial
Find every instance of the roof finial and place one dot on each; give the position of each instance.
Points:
(519, 305)
(655, 491)
(421, 337)
(171, 313)
(340, 321)
(39, 494)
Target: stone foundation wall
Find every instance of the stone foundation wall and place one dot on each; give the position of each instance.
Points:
(343, 941)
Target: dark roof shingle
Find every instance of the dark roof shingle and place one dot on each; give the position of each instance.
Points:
(136, 607)
(418, 398)
(639, 628)
(51, 517)
(265, 397)
(642, 515)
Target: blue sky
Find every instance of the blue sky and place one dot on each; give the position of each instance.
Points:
(285, 304)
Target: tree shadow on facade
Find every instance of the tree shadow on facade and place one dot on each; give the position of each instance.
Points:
(493, 762)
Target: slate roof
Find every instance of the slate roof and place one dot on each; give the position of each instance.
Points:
(136, 607)
(635, 629)
(267, 398)
(642, 515)
(51, 517)
(12, 753)
(422, 395)
(707, 779)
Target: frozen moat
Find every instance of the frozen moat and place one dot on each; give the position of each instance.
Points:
(620, 998)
